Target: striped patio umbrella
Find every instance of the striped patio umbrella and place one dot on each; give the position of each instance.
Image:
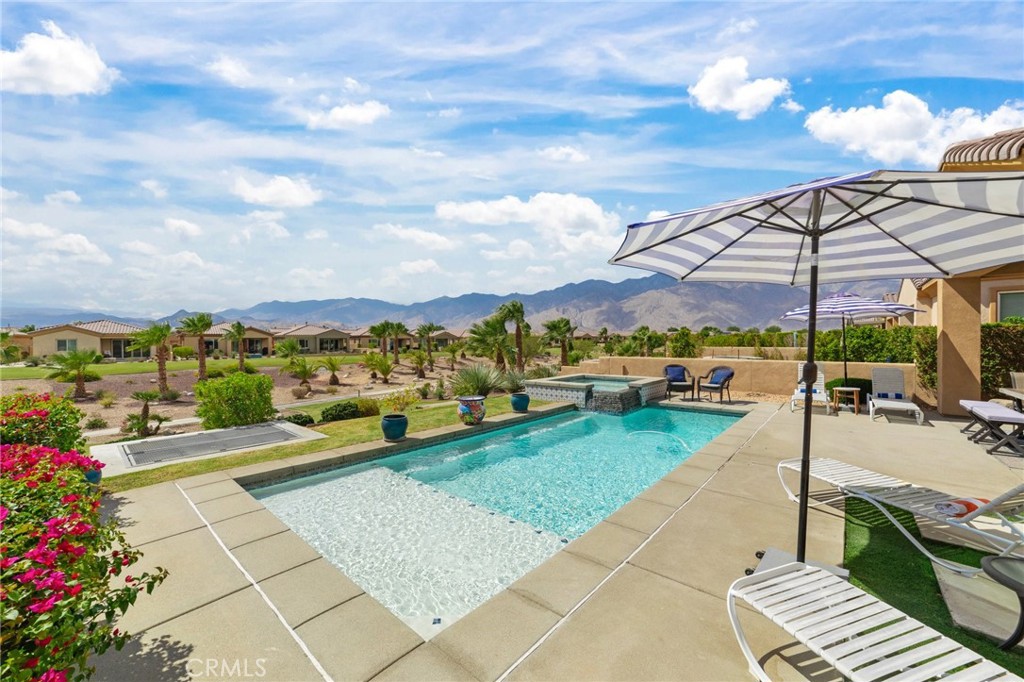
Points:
(851, 307)
(873, 225)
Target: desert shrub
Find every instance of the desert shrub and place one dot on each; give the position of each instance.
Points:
(235, 400)
(476, 379)
(424, 390)
(95, 423)
(40, 419)
(542, 372)
(440, 389)
(216, 354)
(402, 400)
(368, 407)
(33, 361)
(1002, 352)
(216, 373)
(300, 418)
(340, 411)
(863, 384)
(685, 344)
(331, 390)
(107, 401)
(183, 352)
(247, 367)
(61, 567)
(515, 382)
(170, 395)
(69, 377)
(301, 391)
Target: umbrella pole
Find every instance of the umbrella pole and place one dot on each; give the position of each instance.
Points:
(810, 376)
(846, 377)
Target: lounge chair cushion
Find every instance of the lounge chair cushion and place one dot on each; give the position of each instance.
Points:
(675, 374)
(896, 396)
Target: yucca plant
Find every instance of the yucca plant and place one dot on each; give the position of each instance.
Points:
(515, 381)
(477, 379)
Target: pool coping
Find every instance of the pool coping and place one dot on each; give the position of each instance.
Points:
(540, 600)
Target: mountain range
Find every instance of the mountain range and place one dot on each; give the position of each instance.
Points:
(657, 301)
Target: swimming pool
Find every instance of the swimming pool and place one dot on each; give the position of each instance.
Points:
(434, 532)
(602, 384)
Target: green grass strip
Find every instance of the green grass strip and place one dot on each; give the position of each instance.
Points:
(149, 367)
(884, 564)
(339, 434)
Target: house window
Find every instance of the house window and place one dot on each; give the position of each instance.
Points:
(304, 345)
(1011, 304)
(330, 345)
(119, 349)
(67, 345)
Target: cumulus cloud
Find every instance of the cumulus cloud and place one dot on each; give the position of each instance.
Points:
(76, 247)
(315, 234)
(155, 188)
(347, 115)
(903, 129)
(232, 71)
(19, 230)
(515, 250)
(452, 112)
(482, 238)
(426, 152)
(66, 196)
(55, 64)
(352, 85)
(792, 106)
(308, 277)
(281, 191)
(564, 153)
(565, 223)
(397, 275)
(736, 28)
(539, 269)
(265, 223)
(421, 238)
(8, 194)
(182, 228)
(654, 215)
(168, 262)
(726, 86)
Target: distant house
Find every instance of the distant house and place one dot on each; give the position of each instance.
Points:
(107, 337)
(257, 341)
(362, 340)
(586, 335)
(445, 337)
(20, 339)
(314, 338)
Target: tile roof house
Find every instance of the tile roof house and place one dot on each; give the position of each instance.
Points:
(108, 337)
(257, 341)
(316, 338)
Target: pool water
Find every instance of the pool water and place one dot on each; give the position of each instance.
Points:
(601, 384)
(435, 532)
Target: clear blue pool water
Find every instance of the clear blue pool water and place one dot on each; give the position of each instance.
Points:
(434, 532)
(601, 384)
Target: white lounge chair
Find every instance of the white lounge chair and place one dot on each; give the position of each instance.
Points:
(992, 418)
(819, 396)
(887, 393)
(860, 636)
(881, 490)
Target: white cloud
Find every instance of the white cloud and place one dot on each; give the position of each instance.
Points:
(182, 228)
(352, 85)
(231, 70)
(452, 112)
(736, 28)
(308, 277)
(903, 129)
(564, 153)
(19, 230)
(482, 238)
(157, 259)
(266, 223)
(66, 196)
(539, 269)
(8, 194)
(315, 234)
(154, 188)
(55, 64)
(77, 247)
(139, 247)
(425, 152)
(347, 115)
(516, 249)
(792, 106)
(281, 191)
(422, 238)
(567, 223)
(398, 275)
(654, 215)
(725, 86)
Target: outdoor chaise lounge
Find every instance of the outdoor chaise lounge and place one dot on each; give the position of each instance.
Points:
(938, 507)
(991, 418)
(716, 381)
(860, 636)
(887, 393)
(818, 394)
(679, 379)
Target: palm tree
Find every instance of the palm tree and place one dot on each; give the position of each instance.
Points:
(382, 331)
(332, 363)
(9, 351)
(490, 338)
(302, 369)
(418, 359)
(198, 325)
(379, 363)
(156, 336)
(643, 338)
(452, 350)
(236, 334)
(424, 332)
(559, 331)
(512, 311)
(74, 363)
(288, 349)
(398, 329)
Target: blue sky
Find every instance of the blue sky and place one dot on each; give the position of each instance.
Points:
(212, 155)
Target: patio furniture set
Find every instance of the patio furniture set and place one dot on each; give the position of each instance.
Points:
(997, 425)
(717, 380)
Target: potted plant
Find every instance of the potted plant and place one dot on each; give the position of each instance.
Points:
(515, 384)
(471, 386)
(395, 424)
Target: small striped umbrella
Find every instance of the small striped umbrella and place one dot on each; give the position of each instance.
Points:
(864, 226)
(851, 307)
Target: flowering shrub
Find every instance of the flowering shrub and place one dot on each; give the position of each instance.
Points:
(400, 401)
(60, 565)
(40, 419)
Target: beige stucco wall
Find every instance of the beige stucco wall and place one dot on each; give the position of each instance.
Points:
(46, 343)
(755, 376)
(726, 352)
(990, 289)
(959, 343)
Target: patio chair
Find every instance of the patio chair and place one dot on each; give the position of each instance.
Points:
(887, 393)
(819, 396)
(860, 636)
(716, 381)
(679, 379)
(881, 490)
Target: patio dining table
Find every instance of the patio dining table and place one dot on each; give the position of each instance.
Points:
(1017, 395)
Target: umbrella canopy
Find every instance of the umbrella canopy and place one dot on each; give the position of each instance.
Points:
(851, 307)
(874, 225)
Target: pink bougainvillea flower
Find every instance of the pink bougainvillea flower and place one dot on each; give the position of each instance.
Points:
(45, 605)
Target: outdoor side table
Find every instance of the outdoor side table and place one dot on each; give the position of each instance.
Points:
(848, 391)
(1009, 572)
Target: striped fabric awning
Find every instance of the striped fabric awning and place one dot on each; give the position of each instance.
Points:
(875, 225)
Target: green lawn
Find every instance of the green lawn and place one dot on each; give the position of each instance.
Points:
(148, 367)
(340, 434)
(883, 563)
(316, 410)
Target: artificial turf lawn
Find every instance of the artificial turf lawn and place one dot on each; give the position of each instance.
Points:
(884, 564)
(339, 434)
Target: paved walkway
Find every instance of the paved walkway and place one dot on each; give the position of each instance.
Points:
(639, 597)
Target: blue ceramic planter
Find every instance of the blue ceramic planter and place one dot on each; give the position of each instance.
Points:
(94, 476)
(520, 402)
(394, 427)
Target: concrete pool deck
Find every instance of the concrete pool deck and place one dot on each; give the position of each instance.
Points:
(640, 596)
